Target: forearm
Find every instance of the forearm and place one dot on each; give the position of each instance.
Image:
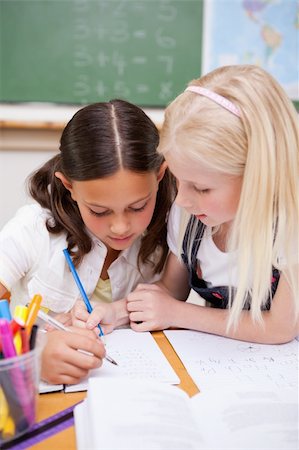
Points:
(214, 321)
(179, 292)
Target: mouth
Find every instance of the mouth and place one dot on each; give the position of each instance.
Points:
(121, 239)
(201, 216)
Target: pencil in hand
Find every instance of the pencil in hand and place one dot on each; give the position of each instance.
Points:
(60, 326)
(79, 284)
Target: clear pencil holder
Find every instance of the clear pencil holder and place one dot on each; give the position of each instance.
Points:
(19, 378)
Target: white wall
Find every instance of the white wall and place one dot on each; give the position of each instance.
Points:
(15, 166)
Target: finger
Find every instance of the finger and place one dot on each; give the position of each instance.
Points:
(146, 287)
(66, 374)
(85, 361)
(135, 305)
(107, 329)
(85, 340)
(141, 326)
(137, 317)
(79, 311)
(94, 318)
(78, 323)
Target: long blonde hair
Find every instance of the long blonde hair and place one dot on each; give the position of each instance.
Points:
(263, 147)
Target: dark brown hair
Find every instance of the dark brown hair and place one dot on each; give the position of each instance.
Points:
(99, 140)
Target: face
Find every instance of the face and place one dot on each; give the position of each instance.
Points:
(211, 196)
(116, 209)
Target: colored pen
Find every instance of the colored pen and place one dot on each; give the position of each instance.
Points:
(8, 348)
(60, 326)
(24, 340)
(33, 308)
(20, 391)
(33, 336)
(4, 310)
(79, 284)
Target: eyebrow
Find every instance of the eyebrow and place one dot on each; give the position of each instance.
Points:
(131, 204)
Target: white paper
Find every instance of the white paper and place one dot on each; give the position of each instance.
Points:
(218, 361)
(138, 357)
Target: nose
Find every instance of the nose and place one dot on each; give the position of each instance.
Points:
(120, 225)
(183, 196)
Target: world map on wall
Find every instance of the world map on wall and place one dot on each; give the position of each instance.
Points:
(262, 32)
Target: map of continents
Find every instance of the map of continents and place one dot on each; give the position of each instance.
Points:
(262, 32)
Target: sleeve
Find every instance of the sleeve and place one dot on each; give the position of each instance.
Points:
(20, 241)
(173, 227)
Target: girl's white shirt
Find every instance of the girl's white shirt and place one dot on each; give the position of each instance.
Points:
(32, 262)
(218, 268)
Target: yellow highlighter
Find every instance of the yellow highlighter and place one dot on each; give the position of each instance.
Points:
(33, 309)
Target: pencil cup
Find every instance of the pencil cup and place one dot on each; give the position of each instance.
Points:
(19, 378)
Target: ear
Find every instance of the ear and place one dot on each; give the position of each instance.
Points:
(66, 183)
(161, 172)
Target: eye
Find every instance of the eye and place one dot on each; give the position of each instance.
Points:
(201, 191)
(142, 208)
(99, 214)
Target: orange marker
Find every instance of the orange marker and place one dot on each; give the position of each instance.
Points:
(32, 312)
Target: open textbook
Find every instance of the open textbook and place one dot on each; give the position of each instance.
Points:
(138, 356)
(144, 415)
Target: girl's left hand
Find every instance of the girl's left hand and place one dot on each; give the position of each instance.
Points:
(150, 308)
(102, 313)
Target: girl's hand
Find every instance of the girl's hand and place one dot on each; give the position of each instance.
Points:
(103, 313)
(62, 363)
(150, 308)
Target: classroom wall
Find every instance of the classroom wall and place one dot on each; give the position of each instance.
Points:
(15, 166)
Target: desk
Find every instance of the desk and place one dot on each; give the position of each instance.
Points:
(49, 404)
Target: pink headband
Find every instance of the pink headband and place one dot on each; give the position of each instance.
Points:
(222, 101)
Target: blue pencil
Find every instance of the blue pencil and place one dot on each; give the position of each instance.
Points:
(79, 284)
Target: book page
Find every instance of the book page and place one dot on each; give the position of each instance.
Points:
(215, 360)
(126, 414)
(138, 357)
(245, 418)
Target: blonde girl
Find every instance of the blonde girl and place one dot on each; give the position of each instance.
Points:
(231, 141)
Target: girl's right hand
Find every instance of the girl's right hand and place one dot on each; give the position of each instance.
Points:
(62, 363)
(103, 313)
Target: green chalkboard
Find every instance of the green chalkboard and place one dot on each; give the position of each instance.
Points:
(82, 51)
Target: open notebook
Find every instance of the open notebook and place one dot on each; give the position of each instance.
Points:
(138, 356)
(142, 415)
